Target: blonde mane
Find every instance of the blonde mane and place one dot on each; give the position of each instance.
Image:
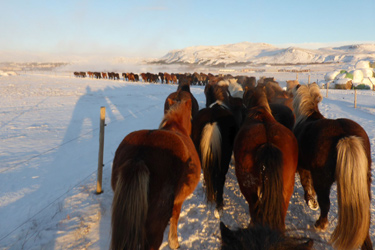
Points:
(306, 100)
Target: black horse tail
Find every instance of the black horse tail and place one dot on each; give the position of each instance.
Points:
(130, 207)
(270, 205)
(210, 147)
(353, 194)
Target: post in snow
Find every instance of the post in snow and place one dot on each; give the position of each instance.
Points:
(99, 189)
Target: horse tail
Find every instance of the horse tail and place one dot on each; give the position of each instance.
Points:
(210, 148)
(270, 205)
(130, 206)
(353, 194)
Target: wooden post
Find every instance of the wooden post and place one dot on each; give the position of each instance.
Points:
(99, 189)
(297, 76)
(327, 90)
(309, 79)
(355, 98)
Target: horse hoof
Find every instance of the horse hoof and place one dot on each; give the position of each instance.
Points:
(320, 227)
(313, 204)
(218, 213)
(174, 244)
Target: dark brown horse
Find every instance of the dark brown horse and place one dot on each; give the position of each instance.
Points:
(214, 130)
(334, 150)
(266, 157)
(258, 237)
(153, 173)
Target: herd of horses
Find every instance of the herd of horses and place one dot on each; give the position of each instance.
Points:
(164, 78)
(272, 134)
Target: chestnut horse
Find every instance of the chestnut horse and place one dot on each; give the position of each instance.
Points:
(334, 150)
(213, 133)
(266, 157)
(153, 173)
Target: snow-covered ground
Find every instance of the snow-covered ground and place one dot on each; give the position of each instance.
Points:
(49, 134)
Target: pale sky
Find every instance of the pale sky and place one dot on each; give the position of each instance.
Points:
(151, 28)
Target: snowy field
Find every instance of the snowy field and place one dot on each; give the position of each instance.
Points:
(49, 134)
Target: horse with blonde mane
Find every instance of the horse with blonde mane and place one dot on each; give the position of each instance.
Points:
(213, 133)
(153, 172)
(334, 150)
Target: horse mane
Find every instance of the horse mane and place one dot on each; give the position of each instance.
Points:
(306, 100)
(176, 115)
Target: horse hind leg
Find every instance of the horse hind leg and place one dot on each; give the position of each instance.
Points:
(323, 198)
(307, 184)
(172, 236)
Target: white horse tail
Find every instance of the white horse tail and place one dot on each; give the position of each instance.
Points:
(353, 194)
(130, 207)
(210, 147)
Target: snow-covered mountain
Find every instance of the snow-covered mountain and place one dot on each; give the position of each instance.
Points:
(262, 53)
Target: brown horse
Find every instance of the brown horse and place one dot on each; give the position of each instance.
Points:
(144, 77)
(334, 150)
(167, 78)
(153, 173)
(266, 157)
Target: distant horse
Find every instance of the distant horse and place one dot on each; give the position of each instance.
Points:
(334, 150)
(90, 74)
(258, 237)
(161, 75)
(144, 77)
(257, 96)
(214, 130)
(167, 78)
(136, 77)
(131, 77)
(174, 79)
(182, 93)
(154, 171)
(266, 157)
(104, 75)
(116, 76)
(98, 75)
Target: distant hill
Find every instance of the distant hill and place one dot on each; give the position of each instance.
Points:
(247, 53)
